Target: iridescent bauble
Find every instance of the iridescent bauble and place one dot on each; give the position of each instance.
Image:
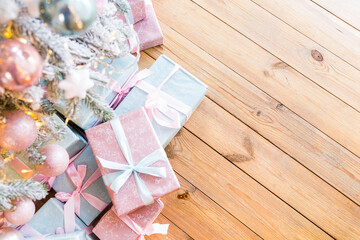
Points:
(18, 131)
(20, 65)
(57, 160)
(23, 212)
(8, 233)
(68, 17)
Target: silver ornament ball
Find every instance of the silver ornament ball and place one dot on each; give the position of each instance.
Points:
(68, 17)
(8, 233)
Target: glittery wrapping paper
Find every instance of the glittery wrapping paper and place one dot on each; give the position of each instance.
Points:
(148, 30)
(182, 85)
(63, 184)
(72, 142)
(137, 12)
(85, 118)
(50, 217)
(142, 141)
(111, 227)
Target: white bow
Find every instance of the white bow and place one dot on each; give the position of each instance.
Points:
(117, 179)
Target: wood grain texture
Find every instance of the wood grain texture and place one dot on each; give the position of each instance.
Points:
(265, 71)
(267, 116)
(174, 233)
(319, 25)
(236, 192)
(347, 10)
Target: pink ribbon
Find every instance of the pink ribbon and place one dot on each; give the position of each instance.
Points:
(49, 181)
(29, 231)
(152, 229)
(122, 91)
(72, 200)
(161, 107)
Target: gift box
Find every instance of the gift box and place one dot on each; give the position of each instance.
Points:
(134, 165)
(148, 30)
(124, 68)
(50, 219)
(21, 168)
(131, 226)
(136, 12)
(92, 185)
(179, 91)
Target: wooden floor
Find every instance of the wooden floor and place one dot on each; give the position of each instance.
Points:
(273, 150)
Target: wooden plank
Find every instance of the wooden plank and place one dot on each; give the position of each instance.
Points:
(292, 47)
(264, 70)
(202, 218)
(266, 115)
(347, 10)
(174, 233)
(275, 170)
(319, 25)
(236, 192)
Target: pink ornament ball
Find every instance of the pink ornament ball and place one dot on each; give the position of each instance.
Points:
(20, 65)
(23, 213)
(57, 160)
(18, 132)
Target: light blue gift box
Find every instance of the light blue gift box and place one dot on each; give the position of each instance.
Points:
(72, 142)
(85, 118)
(50, 217)
(63, 184)
(182, 86)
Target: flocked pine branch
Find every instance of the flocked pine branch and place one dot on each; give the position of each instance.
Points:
(19, 189)
(122, 5)
(100, 109)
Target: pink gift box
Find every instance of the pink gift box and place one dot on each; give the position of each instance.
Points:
(148, 30)
(142, 144)
(111, 227)
(137, 12)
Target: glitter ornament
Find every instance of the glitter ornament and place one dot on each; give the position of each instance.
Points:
(57, 160)
(8, 233)
(23, 212)
(68, 17)
(20, 65)
(18, 131)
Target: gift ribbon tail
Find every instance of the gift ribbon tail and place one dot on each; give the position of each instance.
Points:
(144, 192)
(94, 201)
(69, 216)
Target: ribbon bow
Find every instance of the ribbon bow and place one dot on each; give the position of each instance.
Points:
(155, 228)
(72, 200)
(122, 91)
(124, 171)
(29, 231)
(161, 107)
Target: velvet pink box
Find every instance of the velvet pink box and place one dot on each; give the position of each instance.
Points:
(111, 227)
(142, 141)
(148, 30)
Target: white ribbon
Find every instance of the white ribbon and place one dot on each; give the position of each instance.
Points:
(117, 179)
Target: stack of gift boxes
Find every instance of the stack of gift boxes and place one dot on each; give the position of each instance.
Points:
(121, 170)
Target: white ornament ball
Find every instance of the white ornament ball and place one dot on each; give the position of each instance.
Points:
(57, 160)
(23, 212)
(8, 233)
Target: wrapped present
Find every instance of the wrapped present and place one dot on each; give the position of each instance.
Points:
(51, 220)
(148, 30)
(136, 12)
(20, 167)
(132, 226)
(134, 166)
(122, 69)
(170, 95)
(82, 181)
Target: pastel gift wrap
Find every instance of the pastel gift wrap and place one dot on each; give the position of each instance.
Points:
(50, 218)
(63, 183)
(20, 167)
(134, 165)
(148, 30)
(124, 67)
(128, 227)
(136, 12)
(180, 85)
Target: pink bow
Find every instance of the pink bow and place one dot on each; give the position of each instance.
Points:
(122, 91)
(72, 200)
(161, 107)
(152, 229)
